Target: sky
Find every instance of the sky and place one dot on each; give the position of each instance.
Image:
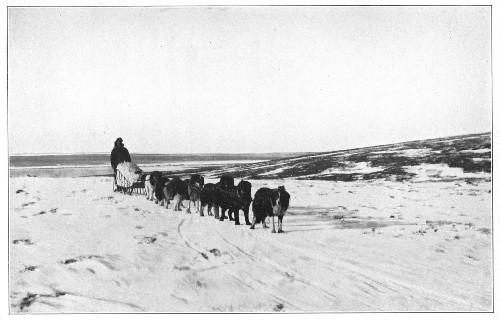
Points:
(244, 79)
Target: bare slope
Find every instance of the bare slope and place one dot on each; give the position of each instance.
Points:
(467, 156)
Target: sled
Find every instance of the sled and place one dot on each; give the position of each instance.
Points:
(129, 179)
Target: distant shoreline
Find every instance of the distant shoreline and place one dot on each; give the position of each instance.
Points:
(217, 155)
(105, 170)
(96, 159)
(145, 165)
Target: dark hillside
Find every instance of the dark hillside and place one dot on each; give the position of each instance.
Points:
(471, 153)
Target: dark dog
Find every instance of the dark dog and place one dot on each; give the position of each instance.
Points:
(198, 180)
(158, 181)
(222, 203)
(268, 203)
(207, 198)
(176, 190)
(244, 191)
(229, 200)
(226, 182)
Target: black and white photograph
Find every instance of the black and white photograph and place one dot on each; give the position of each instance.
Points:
(244, 159)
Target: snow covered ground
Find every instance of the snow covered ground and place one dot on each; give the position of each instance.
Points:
(402, 227)
(375, 245)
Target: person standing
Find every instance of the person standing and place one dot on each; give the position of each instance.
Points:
(119, 154)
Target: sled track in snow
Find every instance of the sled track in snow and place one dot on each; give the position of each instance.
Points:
(263, 290)
(381, 283)
(286, 273)
(188, 243)
(108, 300)
(390, 284)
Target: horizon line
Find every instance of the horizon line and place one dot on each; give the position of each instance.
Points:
(160, 153)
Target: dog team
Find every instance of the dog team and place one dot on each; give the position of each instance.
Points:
(219, 197)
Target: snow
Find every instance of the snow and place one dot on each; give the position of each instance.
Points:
(415, 152)
(481, 159)
(406, 152)
(427, 172)
(352, 167)
(476, 151)
(328, 154)
(273, 172)
(76, 246)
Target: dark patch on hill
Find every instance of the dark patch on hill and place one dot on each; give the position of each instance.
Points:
(472, 153)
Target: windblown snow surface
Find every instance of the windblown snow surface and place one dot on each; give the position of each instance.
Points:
(416, 237)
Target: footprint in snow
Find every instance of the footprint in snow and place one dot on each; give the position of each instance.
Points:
(146, 240)
(279, 307)
(215, 252)
(23, 241)
(80, 258)
(31, 298)
(182, 268)
(485, 231)
(28, 204)
(29, 268)
(204, 255)
(104, 198)
(472, 257)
